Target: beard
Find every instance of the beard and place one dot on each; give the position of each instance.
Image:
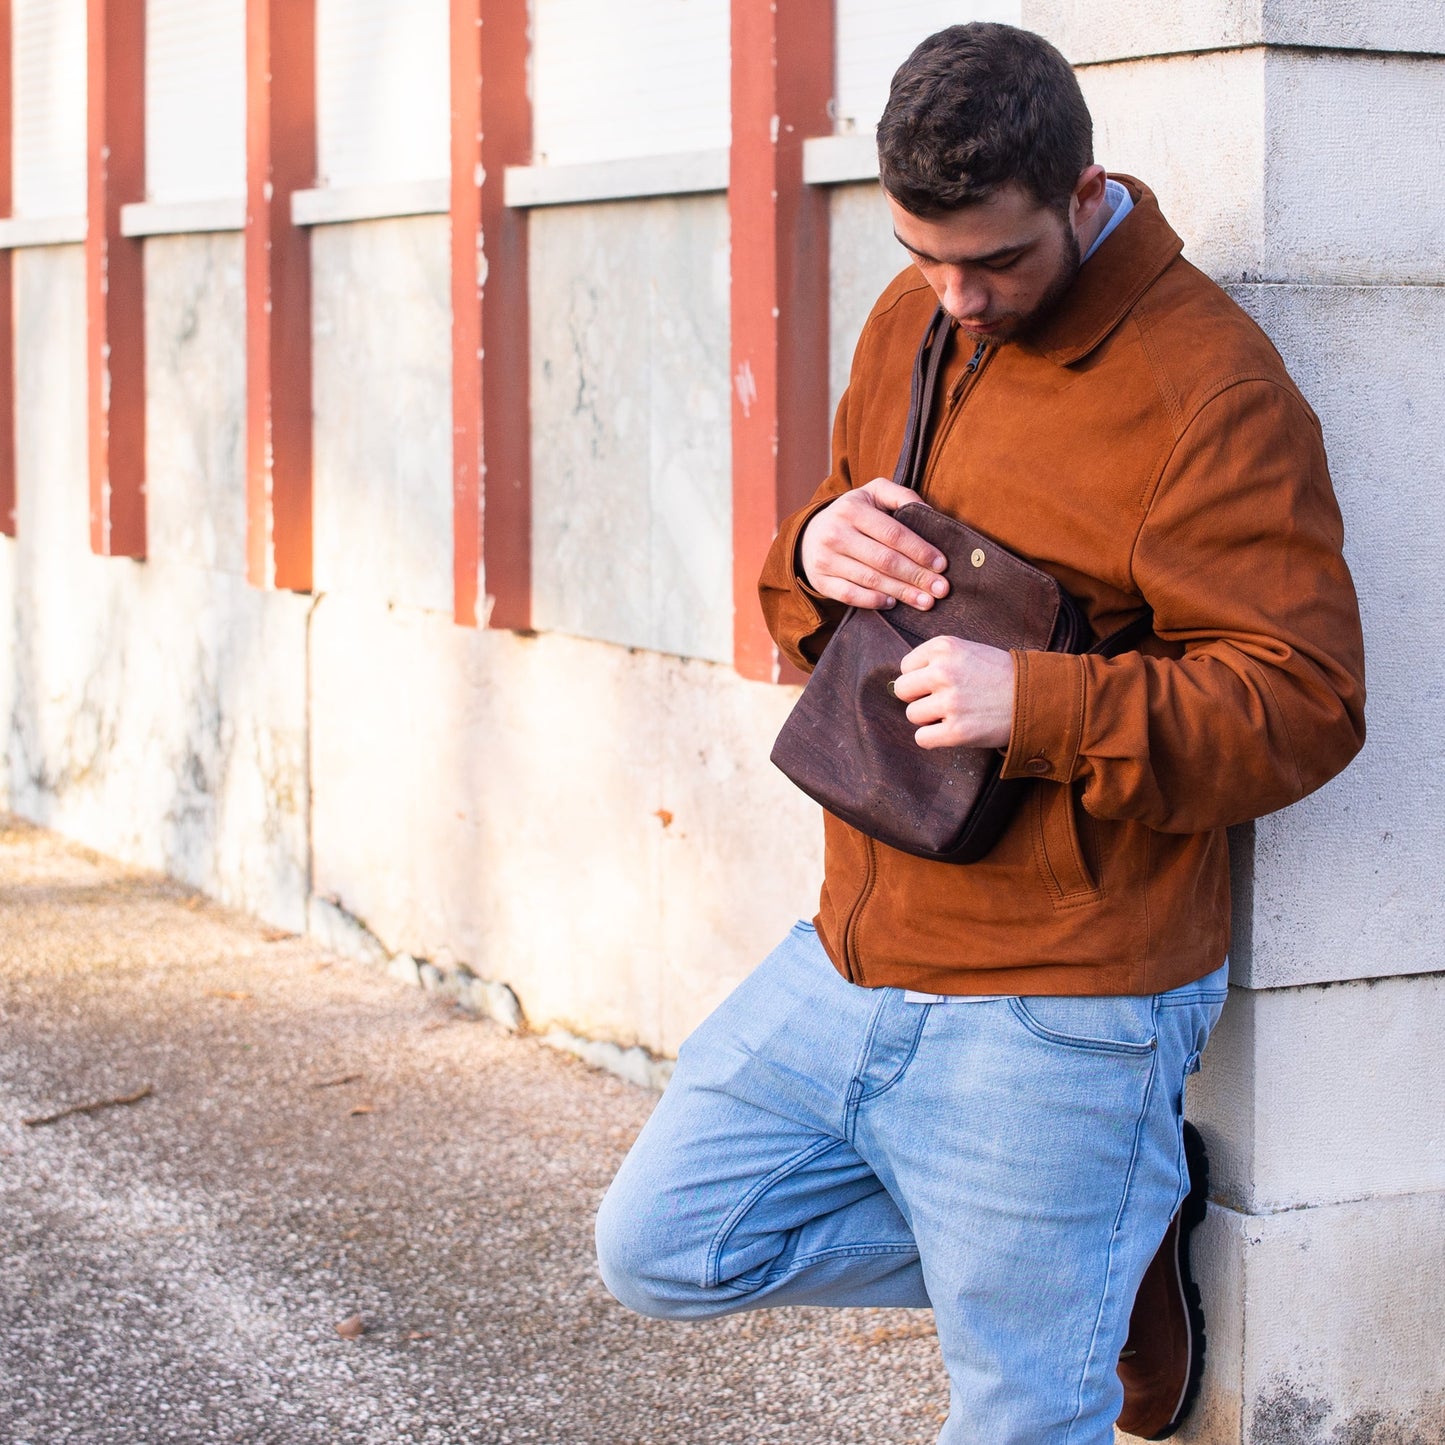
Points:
(1017, 325)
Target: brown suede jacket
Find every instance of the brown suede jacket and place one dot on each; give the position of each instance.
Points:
(1145, 446)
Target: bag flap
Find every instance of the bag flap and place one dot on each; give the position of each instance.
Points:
(994, 596)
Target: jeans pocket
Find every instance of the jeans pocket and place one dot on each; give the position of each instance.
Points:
(1107, 1024)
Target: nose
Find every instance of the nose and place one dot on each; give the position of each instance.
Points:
(964, 294)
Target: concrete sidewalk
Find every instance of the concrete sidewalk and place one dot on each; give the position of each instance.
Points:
(321, 1142)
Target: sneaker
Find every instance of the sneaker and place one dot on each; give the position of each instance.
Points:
(1163, 1358)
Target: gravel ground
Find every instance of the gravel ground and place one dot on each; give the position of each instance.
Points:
(320, 1143)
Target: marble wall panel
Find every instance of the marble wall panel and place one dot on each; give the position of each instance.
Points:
(596, 826)
(196, 401)
(632, 487)
(863, 258)
(1348, 883)
(383, 431)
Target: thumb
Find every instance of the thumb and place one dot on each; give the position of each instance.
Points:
(889, 495)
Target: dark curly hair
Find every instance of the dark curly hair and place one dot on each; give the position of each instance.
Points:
(975, 107)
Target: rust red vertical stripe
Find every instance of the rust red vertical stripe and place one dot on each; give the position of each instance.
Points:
(782, 82)
(114, 286)
(491, 422)
(280, 159)
(7, 325)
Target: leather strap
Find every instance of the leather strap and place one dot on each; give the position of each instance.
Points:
(927, 366)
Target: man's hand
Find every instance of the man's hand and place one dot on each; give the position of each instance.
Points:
(960, 694)
(854, 552)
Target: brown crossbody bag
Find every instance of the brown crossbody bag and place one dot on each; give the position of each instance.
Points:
(848, 743)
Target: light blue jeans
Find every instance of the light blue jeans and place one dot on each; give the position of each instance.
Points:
(1013, 1164)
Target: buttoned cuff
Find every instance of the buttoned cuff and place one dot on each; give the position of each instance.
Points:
(1048, 722)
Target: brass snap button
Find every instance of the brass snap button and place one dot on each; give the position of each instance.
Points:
(977, 557)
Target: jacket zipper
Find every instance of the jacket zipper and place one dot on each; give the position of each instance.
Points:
(955, 400)
(852, 968)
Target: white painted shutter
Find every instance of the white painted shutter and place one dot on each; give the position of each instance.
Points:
(383, 97)
(875, 37)
(49, 98)
(618, 78)
(195, 99)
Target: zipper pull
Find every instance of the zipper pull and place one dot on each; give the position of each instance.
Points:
(973, 365)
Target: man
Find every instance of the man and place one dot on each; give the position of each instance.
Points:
(961, 1087)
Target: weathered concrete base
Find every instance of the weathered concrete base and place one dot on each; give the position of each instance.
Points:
(1323, 1325)
(160, 717)
(7, 661)
(598, 828)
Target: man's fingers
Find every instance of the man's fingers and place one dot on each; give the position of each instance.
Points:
(910, 686)
(935, 735)
(871, 565)
(920, 657)
(893, 536)
(851, 594)
(928, 709)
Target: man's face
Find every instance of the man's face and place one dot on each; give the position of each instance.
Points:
(997, 267)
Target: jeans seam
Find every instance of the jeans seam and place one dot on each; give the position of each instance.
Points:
(902, 1068)
(854, 1094)
(712, 1272)
(748, 1284)
(1113, 1239)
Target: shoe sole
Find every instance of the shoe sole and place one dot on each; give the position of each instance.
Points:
(1191, 1215)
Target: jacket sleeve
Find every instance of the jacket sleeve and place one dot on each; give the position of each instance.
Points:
(1239, 555)
(800, 620)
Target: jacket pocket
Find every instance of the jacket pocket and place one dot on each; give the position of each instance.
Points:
(1060, 834)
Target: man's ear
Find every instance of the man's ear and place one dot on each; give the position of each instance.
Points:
(1089, 192)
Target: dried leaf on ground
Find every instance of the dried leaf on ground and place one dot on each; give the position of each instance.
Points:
(337, 1082)
(351, 1328)
(362, 1109)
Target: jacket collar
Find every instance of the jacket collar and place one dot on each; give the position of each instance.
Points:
(1107, 288)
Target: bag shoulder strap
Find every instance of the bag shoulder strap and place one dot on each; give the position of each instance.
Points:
(927, 366)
